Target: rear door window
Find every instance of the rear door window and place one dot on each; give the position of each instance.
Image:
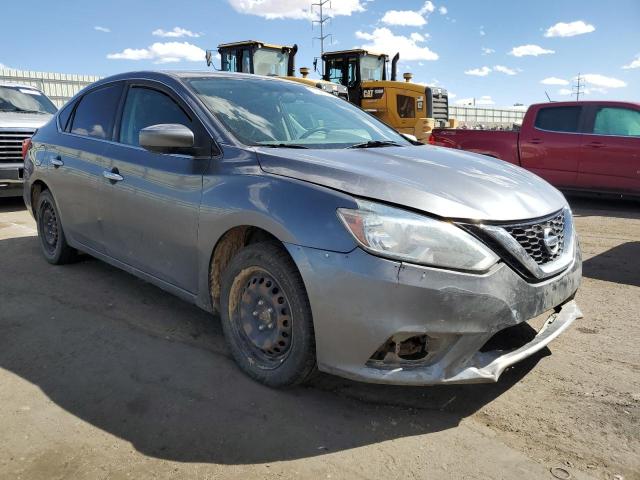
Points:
(96, 113)
(145, 107)
(559, 119)
(622, 122)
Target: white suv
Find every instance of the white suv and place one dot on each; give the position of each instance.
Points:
(23, 109)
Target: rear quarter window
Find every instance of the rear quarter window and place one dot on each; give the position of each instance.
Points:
(559, 119)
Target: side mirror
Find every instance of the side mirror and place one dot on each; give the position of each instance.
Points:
(412, 138)
(165, 137)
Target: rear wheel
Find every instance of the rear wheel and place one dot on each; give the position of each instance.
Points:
(266, 316)
(52, 239)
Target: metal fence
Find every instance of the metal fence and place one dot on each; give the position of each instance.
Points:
(59, 87)
(487, 116)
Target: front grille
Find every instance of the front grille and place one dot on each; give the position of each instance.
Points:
(11, 145)
(531, 236)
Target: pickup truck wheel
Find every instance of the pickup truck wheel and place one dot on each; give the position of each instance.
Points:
(266, 316)
(52, 239)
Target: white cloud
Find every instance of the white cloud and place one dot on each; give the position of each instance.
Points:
(295, 9)
(102, 29)
(416, 37)
(2, 65)
(482, 32)
(598, 80)
(554, 81)
(452, 95)
(565, 91)
(176, 32)
(487, 51)
(478, 72)
(443, 10)
(571, 29)
(634, 63)
(385, 41)
(505, 70)
(409, 18)
(529, 50)
(167, 52)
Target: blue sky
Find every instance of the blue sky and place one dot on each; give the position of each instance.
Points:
(495, 51)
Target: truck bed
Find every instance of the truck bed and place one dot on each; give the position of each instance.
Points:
(498, 144)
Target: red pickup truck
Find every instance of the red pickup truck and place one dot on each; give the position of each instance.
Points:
(589, 146)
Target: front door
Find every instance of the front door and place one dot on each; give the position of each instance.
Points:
(153, 199)
(550, 147)
(610, 159)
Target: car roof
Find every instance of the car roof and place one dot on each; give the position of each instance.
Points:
(573, 103)
(18, 85)
(180, 75)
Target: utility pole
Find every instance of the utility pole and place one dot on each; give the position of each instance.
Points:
(578, 87)
(321, 21)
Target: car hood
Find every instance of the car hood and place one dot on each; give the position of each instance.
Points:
(23, 120)
(441, 181)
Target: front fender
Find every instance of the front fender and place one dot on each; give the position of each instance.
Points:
(295, 212)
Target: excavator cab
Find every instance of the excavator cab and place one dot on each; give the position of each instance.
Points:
(258, 57)
(268, 59)
(408, 107)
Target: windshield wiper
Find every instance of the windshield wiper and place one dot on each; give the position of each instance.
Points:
(376, 144)
(22, 110)
(280, 145)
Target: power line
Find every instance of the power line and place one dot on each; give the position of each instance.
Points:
(322, 19)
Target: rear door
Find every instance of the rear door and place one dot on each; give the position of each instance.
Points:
(550, 145)
(610, 159)
(77, 164)
(151, 219)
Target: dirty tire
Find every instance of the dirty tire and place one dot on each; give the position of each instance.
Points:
(266, 316)
(52, 239)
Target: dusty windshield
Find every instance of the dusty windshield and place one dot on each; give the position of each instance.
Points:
(371, 67)
(283, 113)
(270, 62)
(25, 100)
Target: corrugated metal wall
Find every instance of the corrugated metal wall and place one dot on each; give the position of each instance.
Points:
(59, 87)
(486, 115)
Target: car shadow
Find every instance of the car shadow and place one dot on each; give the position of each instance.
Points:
(153, 370)
(618, 264)
(12, 204)
(585, 206)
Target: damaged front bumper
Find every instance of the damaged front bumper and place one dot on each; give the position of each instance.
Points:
(363, 304)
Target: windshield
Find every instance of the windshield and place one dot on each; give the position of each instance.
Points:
(24, 99)
(270, 62)
(371, 68)
(282, 113)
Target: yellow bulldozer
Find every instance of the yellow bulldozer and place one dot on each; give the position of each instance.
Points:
(262, 58)
(410, 108)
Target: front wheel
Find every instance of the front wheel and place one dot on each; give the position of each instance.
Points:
(266, 316)
(52, 239)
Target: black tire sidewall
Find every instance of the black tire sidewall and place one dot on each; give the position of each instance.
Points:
(300, 361)
(57, 256)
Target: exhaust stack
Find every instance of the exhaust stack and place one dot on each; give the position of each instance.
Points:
(394, 67)
(291, 66)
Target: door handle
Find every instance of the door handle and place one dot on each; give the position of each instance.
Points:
(113, 175)
(535, 141)
(57, 162)
(595, 145)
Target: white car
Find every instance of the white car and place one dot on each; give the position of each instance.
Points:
(23, 109)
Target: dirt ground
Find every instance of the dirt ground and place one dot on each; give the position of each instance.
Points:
(105, 376)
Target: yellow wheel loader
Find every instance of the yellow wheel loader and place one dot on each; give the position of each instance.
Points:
(262, 58)
(408, 107)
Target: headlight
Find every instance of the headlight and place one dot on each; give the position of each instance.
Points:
(401, 235)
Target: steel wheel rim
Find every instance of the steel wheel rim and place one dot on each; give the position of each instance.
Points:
(262, 316)
(49, 227)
